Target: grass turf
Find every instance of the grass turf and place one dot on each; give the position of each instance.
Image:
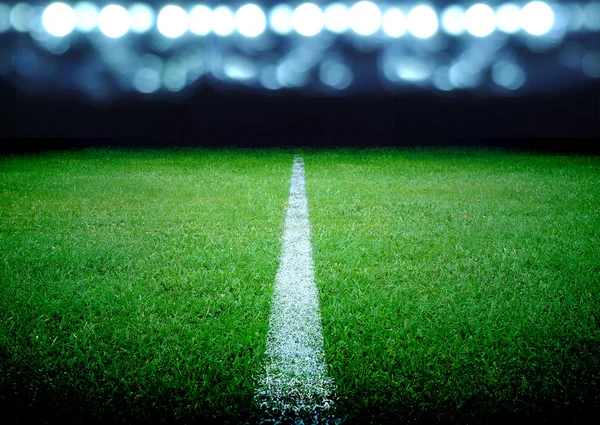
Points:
(458, 286)
(136, 286)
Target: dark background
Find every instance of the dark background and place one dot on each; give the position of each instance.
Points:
(568, 120)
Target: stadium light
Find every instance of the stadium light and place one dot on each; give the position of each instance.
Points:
(172, 21)
(337, 18)
(308, 19)
(223, 21)
(508, 18)
(114, 21)
(537, 18)
(280, 19)
(86, 16)
(300, 40)
(453, 20)
(142, 17)
(394, 23)
(480, 20)
(365, 18)
(59, 19)
(201, 20)
(422, 22)
(250, 20)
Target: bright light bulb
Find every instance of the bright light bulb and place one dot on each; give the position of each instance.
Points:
(453, 20)
(480, 20)
(59, 19)
(365, 18)
(114, 21)
(537, 18)
(422, 22)
(508, 18)
(172, 21)
(394, 22)
(308, 19)
(337, 18)
(201, 20)
(223, 21)
(280, 19)
(142, 17)
(87, 16)
(250, 20)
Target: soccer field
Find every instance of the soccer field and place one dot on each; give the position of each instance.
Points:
(455, 285)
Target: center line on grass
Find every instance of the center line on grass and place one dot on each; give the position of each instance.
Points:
(295, 387)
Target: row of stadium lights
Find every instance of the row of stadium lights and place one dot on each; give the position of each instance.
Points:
(363, 18)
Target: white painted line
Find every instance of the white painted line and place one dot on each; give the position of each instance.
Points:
(295, 387)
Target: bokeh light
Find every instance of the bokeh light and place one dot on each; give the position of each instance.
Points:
(591, 64)
(201, 20)
(172, 21)
(337, 18)
(480, 20)
(394, 22)
(239, 68)
(413, 69)
(365, 18)
(114, 21)
(59, 19)
(422, 22)
(250, 20)
(142, 17)
(508, 18)
(335, 74)
(537, 18)
(174, 78)
(508, 75)
(87, 16)
(308, 19)
(146, 80)
(223, 21)
(591, 13)
(280, 19)
(481, 47)
(4, 17)
(453, 19)
(20, 17)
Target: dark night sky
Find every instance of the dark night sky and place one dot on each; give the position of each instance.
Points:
(240, 118)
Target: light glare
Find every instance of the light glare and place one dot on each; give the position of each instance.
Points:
(422, 22)
(394, 22)
(59, 19)
(223, 21)
(114, 21)
(337, 18)
(280, 19)
(172, 21)
(453, 20)
(250, 20)
(508, 18)
(142, 17)
(537, 18)
(308, 19)
(87, 16)
(480, 20)
(365, 18)
(201, 20)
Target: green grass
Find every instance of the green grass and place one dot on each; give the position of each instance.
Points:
(458, 286)
(136, 286)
